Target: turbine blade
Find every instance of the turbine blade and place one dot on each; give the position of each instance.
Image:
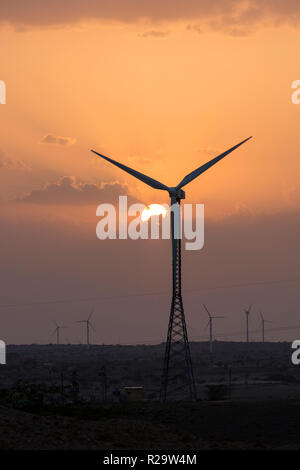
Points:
(91, 314)
(191, 176)
(140, 176)
(261, 316)
(208, 313)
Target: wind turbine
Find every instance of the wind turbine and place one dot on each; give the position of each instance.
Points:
(88, 324)
(58, 327)
(210, 323)
(263, 321)
(177, 344)
(247, 312)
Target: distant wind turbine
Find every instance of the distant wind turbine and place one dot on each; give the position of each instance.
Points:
(56, 331)
(210, 323)
(263, 321)
(247, 312)
(177, 352)
(88, 325)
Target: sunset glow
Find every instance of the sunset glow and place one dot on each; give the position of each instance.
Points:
(153, 209)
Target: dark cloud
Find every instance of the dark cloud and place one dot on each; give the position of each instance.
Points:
(195, 27)
(70, 192)
(12, 163)
(219, 14)
(54, 139)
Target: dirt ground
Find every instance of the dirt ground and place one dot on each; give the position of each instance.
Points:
(261, 409)
(219, 425)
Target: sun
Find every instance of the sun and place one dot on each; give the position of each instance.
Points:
(153, 209)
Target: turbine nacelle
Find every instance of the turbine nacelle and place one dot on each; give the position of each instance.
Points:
(176, 193)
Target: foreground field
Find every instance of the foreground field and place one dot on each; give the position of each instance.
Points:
(242, 425)
(63, 397)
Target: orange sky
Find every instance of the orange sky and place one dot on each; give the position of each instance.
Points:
(157, 95)
(169, 103)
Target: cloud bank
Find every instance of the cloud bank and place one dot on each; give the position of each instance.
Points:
(70, 192)
(57, 140)
(216, 13)
(7, 163)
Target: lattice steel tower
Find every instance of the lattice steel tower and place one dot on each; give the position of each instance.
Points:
(177, 361)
